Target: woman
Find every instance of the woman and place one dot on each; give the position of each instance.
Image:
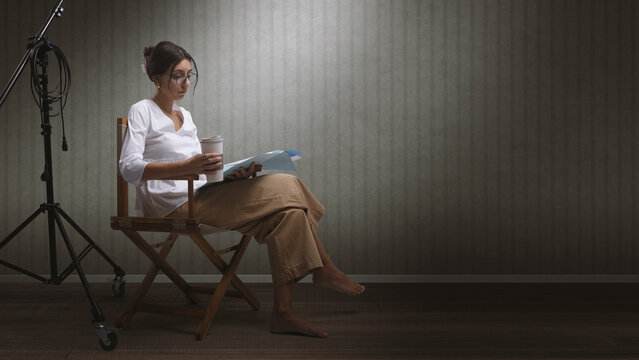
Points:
(275, 209)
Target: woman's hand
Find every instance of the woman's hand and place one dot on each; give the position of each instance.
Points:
(242, 173)
(207, 164)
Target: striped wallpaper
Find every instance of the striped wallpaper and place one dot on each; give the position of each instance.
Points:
(443, 137)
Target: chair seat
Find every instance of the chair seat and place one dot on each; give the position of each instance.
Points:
(171, 225)
(164, 224)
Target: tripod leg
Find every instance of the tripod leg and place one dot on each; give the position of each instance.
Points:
(12, 235)
(22, 226)
(107, 337)
(118, 271)
(24, 271)
(98, 316)
(119, 281)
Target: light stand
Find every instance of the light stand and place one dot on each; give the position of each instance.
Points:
(55, 213)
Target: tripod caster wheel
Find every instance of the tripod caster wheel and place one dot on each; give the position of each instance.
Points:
(113, 342)
(118, 287)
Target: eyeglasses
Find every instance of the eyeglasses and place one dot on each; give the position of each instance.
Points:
(181, 79)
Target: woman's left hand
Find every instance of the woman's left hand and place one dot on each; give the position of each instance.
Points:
(242, 173)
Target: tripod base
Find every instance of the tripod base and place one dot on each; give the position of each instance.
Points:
(107, 337)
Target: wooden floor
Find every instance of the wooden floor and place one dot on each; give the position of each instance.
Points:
(390, 321)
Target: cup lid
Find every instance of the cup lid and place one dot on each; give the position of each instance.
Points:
(214, 138)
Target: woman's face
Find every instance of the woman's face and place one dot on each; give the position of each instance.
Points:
(176, 84)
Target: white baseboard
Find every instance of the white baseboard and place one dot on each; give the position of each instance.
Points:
(444, 278)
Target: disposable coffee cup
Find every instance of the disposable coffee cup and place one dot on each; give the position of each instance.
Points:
(213, 144)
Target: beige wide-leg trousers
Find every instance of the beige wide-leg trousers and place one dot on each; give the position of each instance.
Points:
(277, 210)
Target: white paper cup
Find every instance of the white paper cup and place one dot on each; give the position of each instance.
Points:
(214, 144)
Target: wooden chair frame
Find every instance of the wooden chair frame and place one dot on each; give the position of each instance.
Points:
(132, 225)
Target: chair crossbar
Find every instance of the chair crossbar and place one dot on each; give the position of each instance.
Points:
(224, 251)
(163, 244)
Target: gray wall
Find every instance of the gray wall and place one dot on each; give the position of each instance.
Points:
(489, 137)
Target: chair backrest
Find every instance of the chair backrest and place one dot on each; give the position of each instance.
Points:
(123, 186)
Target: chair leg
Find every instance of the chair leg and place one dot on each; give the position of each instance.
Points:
(229, 273)
(161, 264)
(127, 316)
(221, 265)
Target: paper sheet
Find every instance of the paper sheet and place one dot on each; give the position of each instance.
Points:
(272, 160)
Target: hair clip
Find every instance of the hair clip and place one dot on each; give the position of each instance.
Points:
(146, 61)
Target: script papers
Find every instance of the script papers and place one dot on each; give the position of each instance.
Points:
(272, 160)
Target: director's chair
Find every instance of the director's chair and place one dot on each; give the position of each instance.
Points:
(132, 225)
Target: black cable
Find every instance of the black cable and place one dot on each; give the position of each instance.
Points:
(61, 88)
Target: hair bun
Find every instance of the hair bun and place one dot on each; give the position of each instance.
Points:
(148, 50)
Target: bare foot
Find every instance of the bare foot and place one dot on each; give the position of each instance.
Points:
(288, 323)
(333, 278)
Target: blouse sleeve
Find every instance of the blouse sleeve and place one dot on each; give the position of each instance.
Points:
(131, 158)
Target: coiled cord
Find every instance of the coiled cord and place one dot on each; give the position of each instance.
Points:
(61, 89)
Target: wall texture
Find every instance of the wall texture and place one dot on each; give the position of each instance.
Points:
(444, 137)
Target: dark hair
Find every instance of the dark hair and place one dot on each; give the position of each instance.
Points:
(162, 58)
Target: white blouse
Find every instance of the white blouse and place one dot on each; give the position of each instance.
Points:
(151, 137)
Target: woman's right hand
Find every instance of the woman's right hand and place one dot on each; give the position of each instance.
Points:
(207, 164)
